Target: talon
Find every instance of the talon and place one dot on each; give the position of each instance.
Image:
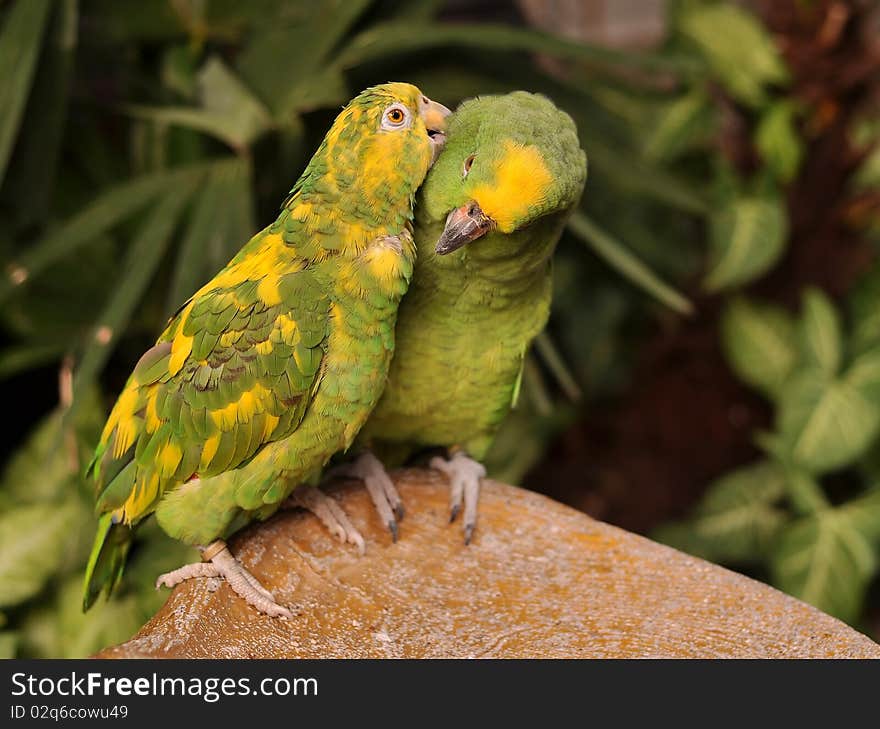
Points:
(464, 474)
(222, 564)
(330, 513)
(380, 487)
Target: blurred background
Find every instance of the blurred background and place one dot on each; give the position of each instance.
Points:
(711, 373)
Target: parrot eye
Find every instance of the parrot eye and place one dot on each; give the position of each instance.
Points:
(395, 117)
(468, 163)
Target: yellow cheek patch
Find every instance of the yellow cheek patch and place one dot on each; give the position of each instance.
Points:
(521, 183)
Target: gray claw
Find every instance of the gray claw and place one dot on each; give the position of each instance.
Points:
(392, 527)
(469, 533)
(454, 512)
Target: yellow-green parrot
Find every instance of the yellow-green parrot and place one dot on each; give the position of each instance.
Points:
(273, 365)
(487, 222)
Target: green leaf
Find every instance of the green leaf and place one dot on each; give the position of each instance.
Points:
(677, 125)
(738, 49)
(747, 238)
(864, 309)
(34, 164)
(105, 624)
(20, 41)
(736, 519)
(33, 540)
(8, 644)
(385, 39)
(827, 423)
(142, 259)
(556, 364)
(825, 561)
(203, 241)
(108, 209)
(778, 141)
(819, 331)
(759, 342)
(306, 39)
(26, 356)
(229, 111)
(621, 260)
(863, 513)
(804, 492)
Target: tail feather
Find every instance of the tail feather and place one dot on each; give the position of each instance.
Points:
(107, 560)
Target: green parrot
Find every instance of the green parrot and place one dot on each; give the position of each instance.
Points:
(487, 221)
(274, 365)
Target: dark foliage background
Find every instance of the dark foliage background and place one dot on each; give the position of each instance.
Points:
(711, 373)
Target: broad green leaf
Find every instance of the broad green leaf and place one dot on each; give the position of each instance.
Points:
(864, 309)
(864, 374)
(759, 342)
(865, 134)
(738, 48)
(825, 561)
(819, 331)
(108, 209)
(229, 111)
(778, 141)
(8, 644)
(40, 470)
(736, 519)
(60, 629)
(677, 125)
(804, 492)
(621, 260)
(142, 259)
(827, 423)
(33, 540)
(747, 238)
(106, 623)
(863, 513)
(20, 41)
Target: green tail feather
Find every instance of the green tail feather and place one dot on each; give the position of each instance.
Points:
(107, 560)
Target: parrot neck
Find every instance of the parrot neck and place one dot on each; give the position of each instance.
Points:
(354, 196)
(511, 262)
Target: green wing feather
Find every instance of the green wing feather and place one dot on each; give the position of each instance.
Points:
(234, 370)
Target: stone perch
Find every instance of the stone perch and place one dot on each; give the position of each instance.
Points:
(539, 580)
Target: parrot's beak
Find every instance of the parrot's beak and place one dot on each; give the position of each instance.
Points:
(434, 115)
(463, 225)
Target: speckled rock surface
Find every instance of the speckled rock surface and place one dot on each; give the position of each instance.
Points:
(540, 580)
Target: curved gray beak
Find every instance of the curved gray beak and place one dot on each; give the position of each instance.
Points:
(463, 225)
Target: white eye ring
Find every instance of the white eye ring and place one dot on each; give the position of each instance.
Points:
(395, 117)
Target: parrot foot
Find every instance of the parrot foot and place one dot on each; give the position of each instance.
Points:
(370, 470)
(219, 562)
(329, 512)
(464, 474)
